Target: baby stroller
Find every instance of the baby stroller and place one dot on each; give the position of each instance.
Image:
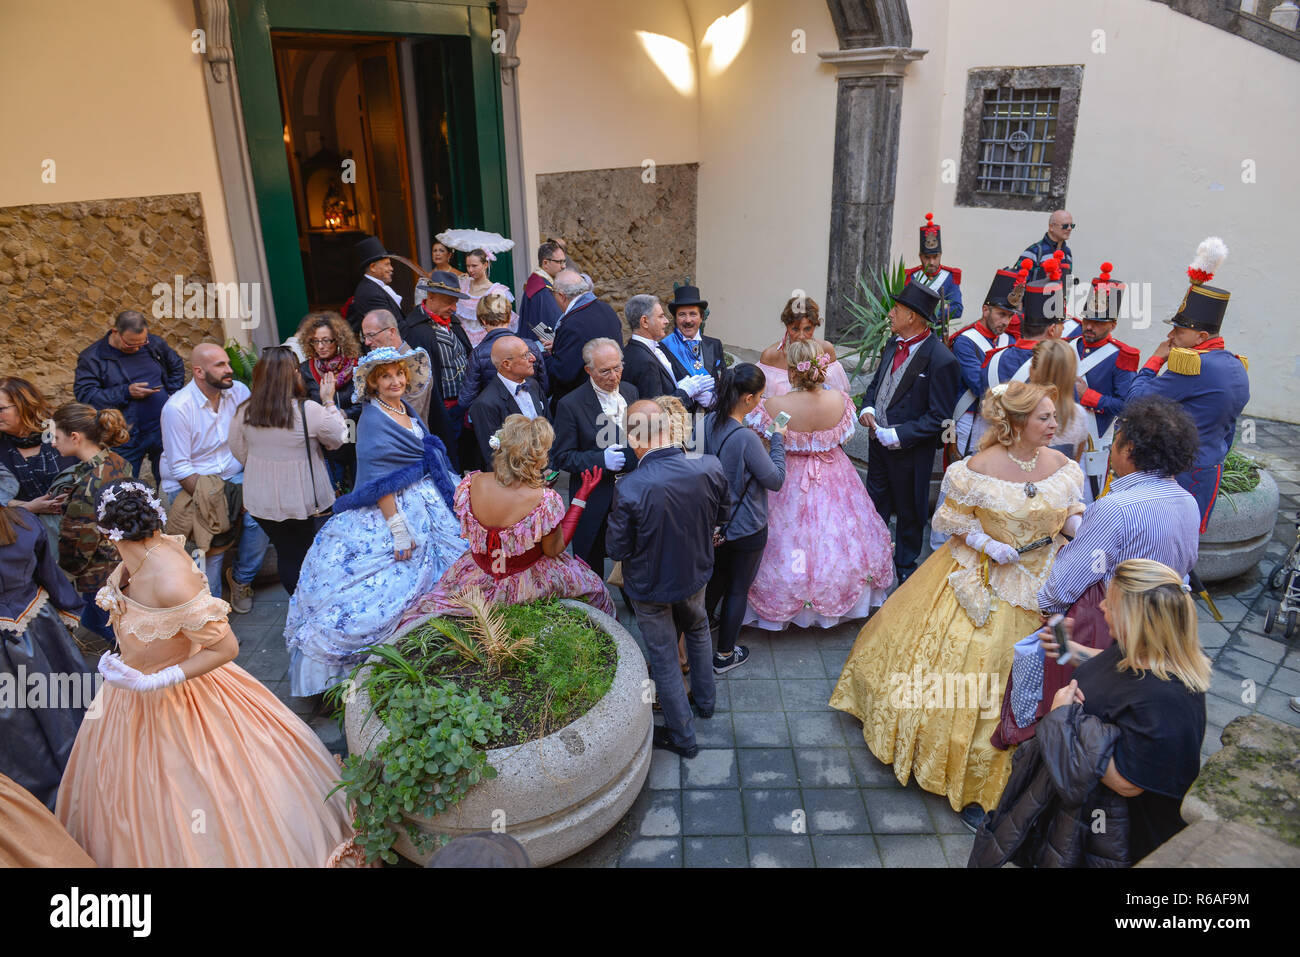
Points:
(1286, 576)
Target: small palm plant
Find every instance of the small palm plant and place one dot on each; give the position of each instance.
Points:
(865, 337)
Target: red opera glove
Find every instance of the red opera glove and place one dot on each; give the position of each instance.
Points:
(569, 524)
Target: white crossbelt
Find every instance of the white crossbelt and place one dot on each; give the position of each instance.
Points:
(1097, 459)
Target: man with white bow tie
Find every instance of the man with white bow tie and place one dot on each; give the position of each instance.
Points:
(512, 391)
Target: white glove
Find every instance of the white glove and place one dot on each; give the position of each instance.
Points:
(121, 675)
(1000, 552)
(694, 385)
(887, 437)
(862, 416)
(706, 398)
(401, 535)
(615, 457)
(1072, 524)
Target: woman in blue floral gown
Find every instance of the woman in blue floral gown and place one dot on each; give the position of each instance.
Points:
(389, 541)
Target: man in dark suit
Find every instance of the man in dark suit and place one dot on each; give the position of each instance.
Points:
(584, 318)
(373, 291)
(648, 366)
(661, 529)
(434, 327)
(590, 432)
(513, 390)
(690, 350)
(907, 407)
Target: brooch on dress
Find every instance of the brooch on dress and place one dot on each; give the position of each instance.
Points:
(1030, 489)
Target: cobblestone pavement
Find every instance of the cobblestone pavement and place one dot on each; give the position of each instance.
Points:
(782, 780)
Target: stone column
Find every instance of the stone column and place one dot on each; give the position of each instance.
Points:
(508, 14)
(867, 116)
(233, 161)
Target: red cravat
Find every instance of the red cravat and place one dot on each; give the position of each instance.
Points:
(904, 348)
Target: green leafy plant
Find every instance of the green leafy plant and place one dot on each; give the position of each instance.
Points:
(434, 753)
(864, 338)
(1240, 474)
(241, 361)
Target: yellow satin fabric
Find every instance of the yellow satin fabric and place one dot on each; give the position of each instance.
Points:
(924, 679)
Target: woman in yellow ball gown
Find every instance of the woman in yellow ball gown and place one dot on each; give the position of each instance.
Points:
(928, 671)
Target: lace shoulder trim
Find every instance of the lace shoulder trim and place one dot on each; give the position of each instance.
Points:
(156, 624)
(1061, 489)
(823, 440)
(517, 538)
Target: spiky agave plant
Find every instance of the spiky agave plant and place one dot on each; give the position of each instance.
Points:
(487, 629)
(864, 338)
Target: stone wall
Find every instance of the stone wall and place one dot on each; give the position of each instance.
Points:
(630, 236)
(66, 269)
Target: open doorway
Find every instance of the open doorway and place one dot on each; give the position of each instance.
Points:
(368, 152)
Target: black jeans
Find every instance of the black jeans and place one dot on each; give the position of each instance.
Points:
(292, 539)
(735, 565)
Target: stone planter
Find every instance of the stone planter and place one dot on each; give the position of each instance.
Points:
(557, 794)
(1239, 531)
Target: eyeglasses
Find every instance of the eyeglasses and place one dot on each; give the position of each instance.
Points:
(372, 336)
(7, 408)
(1068, 225)
(322, 342)
(558, 262)
(610, 371)
(523, 355)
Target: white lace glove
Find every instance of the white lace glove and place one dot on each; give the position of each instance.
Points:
(401, 535)
(121, 675)
(887, 437)
(1000, 552)
(1072, 524)
(706, 398)
(615, 458)
(695, 385)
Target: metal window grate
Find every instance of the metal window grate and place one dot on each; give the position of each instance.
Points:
(1017, 130)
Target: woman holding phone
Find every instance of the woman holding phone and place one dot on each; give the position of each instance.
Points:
(752, 472)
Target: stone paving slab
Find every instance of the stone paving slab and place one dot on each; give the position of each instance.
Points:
(784, 781)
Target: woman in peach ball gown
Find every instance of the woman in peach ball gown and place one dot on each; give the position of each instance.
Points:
(190, 762)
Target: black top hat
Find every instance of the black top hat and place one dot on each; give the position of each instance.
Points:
(687, 296)
(920, 298)
(368, 250)
(1103, 302)
(441, 283)
(1203, 307)
(931, 239)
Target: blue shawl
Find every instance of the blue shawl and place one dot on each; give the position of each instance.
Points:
(390, 458)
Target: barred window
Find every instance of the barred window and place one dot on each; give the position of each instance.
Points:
(1018, 137)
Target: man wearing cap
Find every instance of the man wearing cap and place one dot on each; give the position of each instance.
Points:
(1107, 368)
(434, 327)
(373, 290)
(906, 407)
(945, 280)
(689, 350)
(1043, 316)
(972, 344)
(1209, 382)
(538, 307)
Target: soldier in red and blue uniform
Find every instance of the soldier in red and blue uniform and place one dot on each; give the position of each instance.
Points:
(971, 344)
(1208, 381)
(1107, 366)
(945, 280)
(1042, 318)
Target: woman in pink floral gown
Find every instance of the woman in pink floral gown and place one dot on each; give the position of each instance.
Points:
(517, 529)
(828, 556)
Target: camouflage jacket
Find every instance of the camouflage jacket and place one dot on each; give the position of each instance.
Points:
(84, 554)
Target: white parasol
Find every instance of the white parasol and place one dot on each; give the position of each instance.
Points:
(466, 240)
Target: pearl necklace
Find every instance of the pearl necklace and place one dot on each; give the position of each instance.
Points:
(396, 411)
(1026, 466)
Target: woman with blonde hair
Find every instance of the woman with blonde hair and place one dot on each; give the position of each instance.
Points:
(517, 529)
(828, 558)
(89, 436)
(954, 623)
(1132, 720)
(494, 314)
(1055, 363)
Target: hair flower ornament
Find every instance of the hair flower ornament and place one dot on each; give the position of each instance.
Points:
(998, 389)
(111, 494)
(824, 359)
(494, 443)
(804, 366)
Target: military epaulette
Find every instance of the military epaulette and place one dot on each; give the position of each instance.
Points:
(1184, 361)
(1128, 357)
(1245, 362)
(956, 274)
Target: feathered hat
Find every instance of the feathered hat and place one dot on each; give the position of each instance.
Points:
(931, 239)
(1044, 302)
(1008, 287)
(1103, 302)
(1203, 306)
